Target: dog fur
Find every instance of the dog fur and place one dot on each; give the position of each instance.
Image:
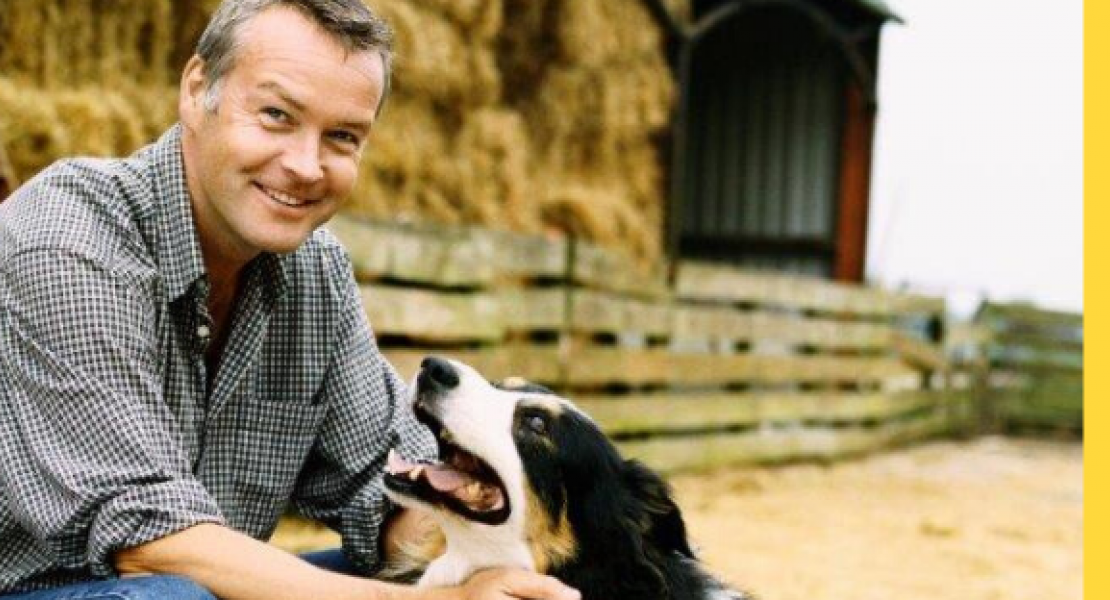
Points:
(528, 480)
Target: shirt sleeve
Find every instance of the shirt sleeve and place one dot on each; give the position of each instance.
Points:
(368, 414)
(89, 462)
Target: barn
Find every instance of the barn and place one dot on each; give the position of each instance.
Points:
(731, 131)
(771, 152)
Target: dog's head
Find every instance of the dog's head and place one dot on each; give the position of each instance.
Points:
(526, 479)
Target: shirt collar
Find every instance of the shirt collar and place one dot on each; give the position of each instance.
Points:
(178, 246)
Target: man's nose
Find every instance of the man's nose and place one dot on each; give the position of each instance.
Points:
(437, 374)
(302, 159)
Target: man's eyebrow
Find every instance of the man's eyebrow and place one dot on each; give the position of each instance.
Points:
(283, 94)
(362, 127)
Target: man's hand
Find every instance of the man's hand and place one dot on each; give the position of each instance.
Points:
(513, 584)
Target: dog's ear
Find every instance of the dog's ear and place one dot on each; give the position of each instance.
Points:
(662, 521)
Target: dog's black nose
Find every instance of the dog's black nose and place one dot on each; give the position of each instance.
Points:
(437, 373)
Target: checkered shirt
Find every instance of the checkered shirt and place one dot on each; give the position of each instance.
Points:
(111, 434)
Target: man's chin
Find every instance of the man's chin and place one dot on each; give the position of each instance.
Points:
(284, 240)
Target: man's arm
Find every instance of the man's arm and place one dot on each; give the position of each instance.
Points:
(89, 459)
(234, 566)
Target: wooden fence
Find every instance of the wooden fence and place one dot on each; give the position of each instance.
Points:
(705, 366)
(1033, 368)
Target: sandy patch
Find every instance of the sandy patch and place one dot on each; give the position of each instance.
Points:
(991, 519)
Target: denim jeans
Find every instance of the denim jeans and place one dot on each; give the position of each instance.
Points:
(162, 587)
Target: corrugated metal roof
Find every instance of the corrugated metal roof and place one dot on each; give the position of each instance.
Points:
(880, 8)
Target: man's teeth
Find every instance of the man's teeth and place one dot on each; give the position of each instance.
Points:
(284, 198)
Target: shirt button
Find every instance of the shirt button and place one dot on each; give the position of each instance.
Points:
(203, 331)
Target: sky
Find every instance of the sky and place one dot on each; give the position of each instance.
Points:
(977, 182)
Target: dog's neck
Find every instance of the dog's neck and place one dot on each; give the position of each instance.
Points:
(471, 548)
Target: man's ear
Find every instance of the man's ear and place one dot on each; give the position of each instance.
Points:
(190, 101)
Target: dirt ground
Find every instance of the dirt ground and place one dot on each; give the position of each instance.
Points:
(992, 519)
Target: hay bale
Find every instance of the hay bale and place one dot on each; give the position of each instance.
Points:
(581, 210)
(598, 211)
(405, 150)
(601, 67)
(156, 107)
(190, 19)
(156, 43)
(22, 23)
(108, 30)
(592, 34)
(409, 134)
(435, 59)
(644, 175)
(98, 121)
(61, 43)
(55, 68)
(480, 19)
(121, 23)
(490, 173)
(524, 48)
(421, 169)
(76, 38)
(8, 182)
(126, 126)
(624, 101)
(86, 121)
(30, 130)
(42, 126)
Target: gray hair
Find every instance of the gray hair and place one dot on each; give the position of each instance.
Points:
(349, 22)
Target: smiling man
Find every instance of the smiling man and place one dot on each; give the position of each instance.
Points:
(185, 356)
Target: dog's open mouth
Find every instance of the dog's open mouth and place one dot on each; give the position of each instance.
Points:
(460, 481)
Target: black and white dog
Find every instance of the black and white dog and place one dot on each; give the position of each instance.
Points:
(525, 479)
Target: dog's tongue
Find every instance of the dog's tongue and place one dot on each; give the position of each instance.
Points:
(441, 477)
(446, 479)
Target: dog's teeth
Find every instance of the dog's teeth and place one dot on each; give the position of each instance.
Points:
(415, 473)
(474, 490)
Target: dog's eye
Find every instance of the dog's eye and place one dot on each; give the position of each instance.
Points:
(537, 424)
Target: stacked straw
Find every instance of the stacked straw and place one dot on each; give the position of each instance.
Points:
(82, 77)
(446, 150)
(594, 108)
(38, 127)
(533, 115)
(63, 43)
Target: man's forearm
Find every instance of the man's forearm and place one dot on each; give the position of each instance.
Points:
(234, 566)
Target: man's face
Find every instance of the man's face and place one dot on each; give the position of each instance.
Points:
(281, 152)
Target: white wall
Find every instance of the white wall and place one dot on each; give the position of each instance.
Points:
(977, 185)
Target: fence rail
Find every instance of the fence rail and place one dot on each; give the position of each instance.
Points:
(720, 366)
(1033, 368)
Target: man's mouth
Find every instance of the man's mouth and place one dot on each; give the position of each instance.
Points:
(285, 199)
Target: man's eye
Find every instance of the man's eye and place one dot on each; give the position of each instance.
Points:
(345, 137)
(275, 114)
